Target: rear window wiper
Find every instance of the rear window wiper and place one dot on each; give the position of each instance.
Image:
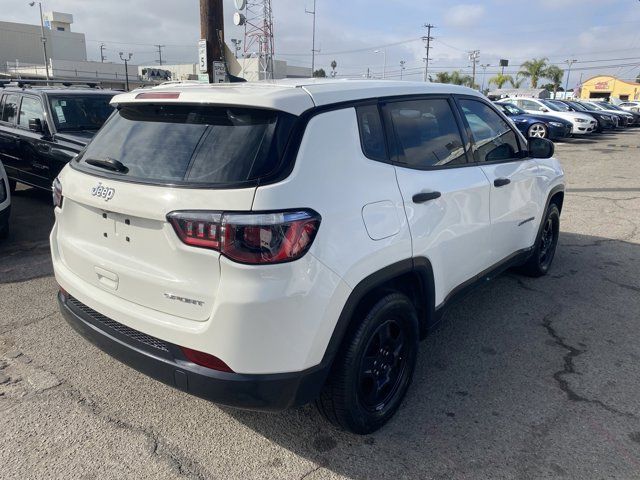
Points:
(108, 164)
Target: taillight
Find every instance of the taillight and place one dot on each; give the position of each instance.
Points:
(252, 238)
(205, 360)
(57, 193)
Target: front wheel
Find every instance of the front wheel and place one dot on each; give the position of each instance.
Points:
(546, 243)
(374, 368)
(538, 130)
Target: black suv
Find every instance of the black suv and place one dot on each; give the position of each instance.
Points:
(42, 128)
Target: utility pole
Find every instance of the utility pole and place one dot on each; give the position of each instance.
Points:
(384, 66)
(427, 47)
(402, 67)
(484, 72)
(313, 37)
(566, 86)
(44, 40)
(159, 47)
(126, 69)
(211, 30)
(102, 56)
(473, 58)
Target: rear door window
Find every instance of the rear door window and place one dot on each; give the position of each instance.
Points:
(80, 112)
(186, 144)
(30, 109)
(10, 108)
(426, 133)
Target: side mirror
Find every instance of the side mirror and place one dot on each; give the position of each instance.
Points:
(541, 148)
(35, 125)
(543, 109)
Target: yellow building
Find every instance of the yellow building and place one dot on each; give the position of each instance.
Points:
(608, 87)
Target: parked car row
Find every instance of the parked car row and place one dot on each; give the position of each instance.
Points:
(558, 119)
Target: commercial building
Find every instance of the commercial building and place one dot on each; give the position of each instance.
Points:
(21, 43)
(608, 87)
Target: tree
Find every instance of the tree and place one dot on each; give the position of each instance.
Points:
(516, 82)
(458, 78)
(320, 73)
(334, 64)
(533, 69)
(555, 74)
(443, 77)
(500, 80)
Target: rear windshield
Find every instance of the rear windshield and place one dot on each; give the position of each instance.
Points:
(187, 144)
(79, 112)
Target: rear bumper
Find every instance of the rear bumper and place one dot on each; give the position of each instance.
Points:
(164, 362)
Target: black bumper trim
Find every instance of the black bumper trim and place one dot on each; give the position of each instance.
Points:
(270, 392)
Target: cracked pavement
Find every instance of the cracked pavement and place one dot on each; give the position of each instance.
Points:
(527, 378)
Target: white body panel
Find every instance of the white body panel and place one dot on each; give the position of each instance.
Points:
(454, 231)
(516, 208)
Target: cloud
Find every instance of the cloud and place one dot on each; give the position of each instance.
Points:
(464, 15)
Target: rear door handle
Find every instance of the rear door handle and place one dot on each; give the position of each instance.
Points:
(425, 197)
(501, 182)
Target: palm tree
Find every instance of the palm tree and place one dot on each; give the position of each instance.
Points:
(555, 74)
(533, 69)
(500, 80)
(516, 82)
(458, 79)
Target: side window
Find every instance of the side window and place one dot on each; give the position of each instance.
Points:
(493, 138)
(10, 108)
(532, 105)
(371, 132)
(30, 108)
(426, 133)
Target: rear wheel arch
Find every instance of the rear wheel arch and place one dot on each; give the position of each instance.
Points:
(411, 277)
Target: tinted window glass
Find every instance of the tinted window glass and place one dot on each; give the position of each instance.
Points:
(426, 133)
(10, 108)
(493, 138)
(78, 112)
(371, 132)
(30, 108)
(192, 144)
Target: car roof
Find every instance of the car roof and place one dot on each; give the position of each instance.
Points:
(289, 95)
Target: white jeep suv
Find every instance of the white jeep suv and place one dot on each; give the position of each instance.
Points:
(268, 245)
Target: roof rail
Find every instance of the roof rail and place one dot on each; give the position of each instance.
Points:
(28, 83)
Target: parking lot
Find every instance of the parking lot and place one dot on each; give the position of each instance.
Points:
(528, 378)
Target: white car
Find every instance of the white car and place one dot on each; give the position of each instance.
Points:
(5, 203)
(630, 106)
(264, 245)
(582, 123)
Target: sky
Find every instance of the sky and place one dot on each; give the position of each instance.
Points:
(603, 35)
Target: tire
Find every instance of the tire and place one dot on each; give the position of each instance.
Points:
(4, 231)
(12, 186)
(540, 261)
(538, 130)
(374, 367)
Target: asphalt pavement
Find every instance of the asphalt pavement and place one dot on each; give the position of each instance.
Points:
(527, 378)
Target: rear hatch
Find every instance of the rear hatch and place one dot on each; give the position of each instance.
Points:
(148, 161)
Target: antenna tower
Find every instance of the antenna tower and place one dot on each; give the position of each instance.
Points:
(257, 18)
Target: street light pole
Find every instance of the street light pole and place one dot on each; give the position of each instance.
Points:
(126, 69)
(313, 38)
(44, 40)
(484, 71)
(384, 67)
(566, 86)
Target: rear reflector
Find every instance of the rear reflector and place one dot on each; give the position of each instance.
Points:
(158, 95)
(205, 360)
